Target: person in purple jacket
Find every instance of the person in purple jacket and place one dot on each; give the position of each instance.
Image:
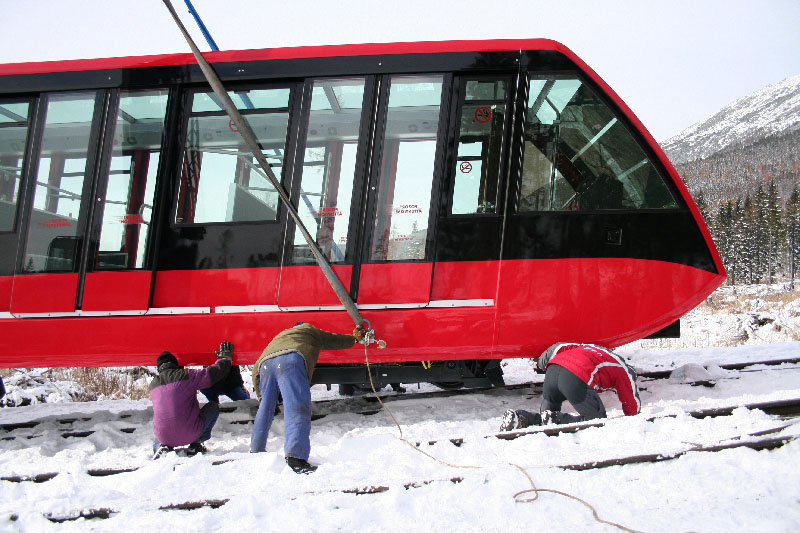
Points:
(178, 419)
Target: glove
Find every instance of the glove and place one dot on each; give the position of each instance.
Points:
(359, 333)
(225, 350)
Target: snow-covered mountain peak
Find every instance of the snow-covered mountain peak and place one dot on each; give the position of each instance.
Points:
(768, 111)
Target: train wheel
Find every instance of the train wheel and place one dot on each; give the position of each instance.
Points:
(472, 367)
(448, 385)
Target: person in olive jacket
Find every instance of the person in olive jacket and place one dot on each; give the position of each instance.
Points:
(178, 419)
(286, 366)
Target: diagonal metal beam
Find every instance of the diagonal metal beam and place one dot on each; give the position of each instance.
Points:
(252, 143)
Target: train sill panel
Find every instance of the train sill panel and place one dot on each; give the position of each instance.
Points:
(607, 301)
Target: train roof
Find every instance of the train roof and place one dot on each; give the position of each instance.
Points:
(362, 50)
(297, 52)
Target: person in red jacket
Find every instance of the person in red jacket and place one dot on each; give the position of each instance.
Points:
(576, 372)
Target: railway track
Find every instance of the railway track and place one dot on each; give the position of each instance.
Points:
(782, 409)
(761, 440)
(784, 413)
(779, 408)
(242, 412)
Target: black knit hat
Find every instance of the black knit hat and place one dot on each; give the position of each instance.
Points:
(166, 357)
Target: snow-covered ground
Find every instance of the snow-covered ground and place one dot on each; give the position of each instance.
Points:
(357, 448)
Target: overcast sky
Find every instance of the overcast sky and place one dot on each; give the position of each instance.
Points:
(674, 62)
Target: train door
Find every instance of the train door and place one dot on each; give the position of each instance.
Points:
(396, 266)
(328, 189)
(470, 226)
(365, 191)
(221, 247)
(90, 201)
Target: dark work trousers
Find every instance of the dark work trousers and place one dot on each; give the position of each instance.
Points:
(560, 384)
(212, 394)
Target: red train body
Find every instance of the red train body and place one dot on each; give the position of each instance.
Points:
(480, 200)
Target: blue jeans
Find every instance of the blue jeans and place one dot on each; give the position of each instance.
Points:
(234, 393)
(209, 413)
(286, 374)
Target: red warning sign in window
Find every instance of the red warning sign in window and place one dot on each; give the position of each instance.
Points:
(483, 114)
(465, 167)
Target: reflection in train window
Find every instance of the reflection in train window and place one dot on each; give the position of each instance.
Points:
(329, 165)
(406, 169)
(578, 156)
(480, 147)
(220, 179)
(13, 138)
(128, 205)
(52, 243)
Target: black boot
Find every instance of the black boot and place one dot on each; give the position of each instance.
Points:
(162, 451)
(195, 448)
(299, 466)
(518, 419)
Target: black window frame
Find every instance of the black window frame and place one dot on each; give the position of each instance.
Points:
(26, 156)
(365, 145)
(103, 169)
(377, 141)
(460, 80)
(634, 131)
(287, 165)
(94, 143)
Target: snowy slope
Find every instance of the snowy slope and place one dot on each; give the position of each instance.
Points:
(768, 111)
(470, 487)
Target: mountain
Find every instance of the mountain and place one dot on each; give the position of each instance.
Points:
(748, 143)
(773, 110)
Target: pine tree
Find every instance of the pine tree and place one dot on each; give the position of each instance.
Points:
(728, 242)
(773, 232)
(760, 234)
(702, 205)
(792, 229)
(721, 231)
(736, 239)
(747, 238)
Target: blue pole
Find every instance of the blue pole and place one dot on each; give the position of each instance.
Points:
(214, 48)
(202, 26)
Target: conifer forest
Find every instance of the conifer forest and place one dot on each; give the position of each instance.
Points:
(750, 199)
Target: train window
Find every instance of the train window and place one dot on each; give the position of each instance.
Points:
(480, 146)
(220, 179)
(329, 165)
(407, 167)
(577, 155)
(53, 234)
(128, 203)
(13, 138)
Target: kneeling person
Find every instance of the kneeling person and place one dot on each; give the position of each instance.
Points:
(576, 372)
(178, 419)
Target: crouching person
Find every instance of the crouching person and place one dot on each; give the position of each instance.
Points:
(575, 373)
(178, 419)
(286, 367)
(231, 386)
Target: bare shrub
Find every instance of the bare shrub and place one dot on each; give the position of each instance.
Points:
(108, 383)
